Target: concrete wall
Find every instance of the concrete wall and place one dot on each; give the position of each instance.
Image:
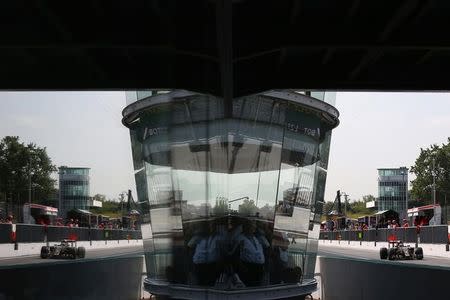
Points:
(353, 279)
(113, 278)
(31, 233)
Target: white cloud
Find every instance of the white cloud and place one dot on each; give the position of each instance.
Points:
(440, 121)
(29, 121)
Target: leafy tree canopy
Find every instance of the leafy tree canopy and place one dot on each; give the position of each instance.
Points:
(100, 197)
(248, 207)
(19, 162)
(354, 209)
(109, 207)
(424, 168)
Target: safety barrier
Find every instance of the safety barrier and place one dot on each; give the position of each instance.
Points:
(5, 233)
(29, 233)
(116, 277)
(352, 278)
(426, 234)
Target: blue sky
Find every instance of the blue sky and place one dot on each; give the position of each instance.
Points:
(84, 129)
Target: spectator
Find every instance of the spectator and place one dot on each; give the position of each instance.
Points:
(9, 219)
(394, 224)
(405, 223)
(70, 223)
(423, 221)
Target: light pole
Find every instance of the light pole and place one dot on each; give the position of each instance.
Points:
(60, 193)
(445, 207)
(403, 173)
(434, 190)
(122, 196)
(30, 173)
(11, 185)
(29, 180)
(34, 186)
(345, 204)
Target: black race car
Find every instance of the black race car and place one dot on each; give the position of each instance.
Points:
(66, 249)
(397, 250)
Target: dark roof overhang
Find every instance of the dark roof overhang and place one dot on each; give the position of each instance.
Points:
(223, 47)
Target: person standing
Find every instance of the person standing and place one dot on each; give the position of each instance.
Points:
(251, 255)
(405, 223)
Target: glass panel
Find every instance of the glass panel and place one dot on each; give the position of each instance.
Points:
(230, 199)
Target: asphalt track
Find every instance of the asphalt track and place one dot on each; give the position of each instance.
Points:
(91, 254)
(372, 255)
(327, 251)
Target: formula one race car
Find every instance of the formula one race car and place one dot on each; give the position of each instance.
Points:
(397, 250)
(66, 249)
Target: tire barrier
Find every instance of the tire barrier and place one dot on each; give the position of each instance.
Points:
(427, 234)
(29, 233)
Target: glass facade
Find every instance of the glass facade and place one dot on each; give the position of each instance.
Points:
(392, 189)
(230, 201)
(73, 189)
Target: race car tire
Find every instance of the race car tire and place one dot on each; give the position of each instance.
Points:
(81, 252)
(45, 252)
(73, 253)
(391, 253)
(419, 253)
(383, 253)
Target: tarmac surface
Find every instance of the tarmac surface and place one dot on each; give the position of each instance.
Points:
(324, 250)
(373, 255)
(91, 254)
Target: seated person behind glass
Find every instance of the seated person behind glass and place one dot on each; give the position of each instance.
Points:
(251, 254)
(207, 254)
(280, 257)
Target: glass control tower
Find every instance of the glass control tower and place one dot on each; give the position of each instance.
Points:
(231, 205)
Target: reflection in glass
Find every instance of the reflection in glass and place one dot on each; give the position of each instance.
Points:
(230, 202)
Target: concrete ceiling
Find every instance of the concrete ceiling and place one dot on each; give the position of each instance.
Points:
(226, 48)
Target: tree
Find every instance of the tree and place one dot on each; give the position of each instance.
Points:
(248, 207)
(433, 160)
(368, 198)
(109, 207)
(356, 207)
(221, 207)
(100, 197)
(24, 166)
(359, 207)
(327, 207)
